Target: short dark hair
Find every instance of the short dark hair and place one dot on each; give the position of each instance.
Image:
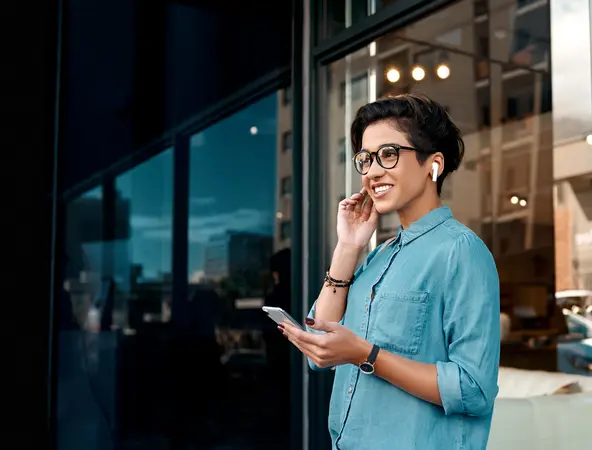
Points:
(426, 123)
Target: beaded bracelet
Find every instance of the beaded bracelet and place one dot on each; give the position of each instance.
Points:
(330, 281)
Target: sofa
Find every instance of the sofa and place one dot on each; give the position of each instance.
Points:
(542, 410)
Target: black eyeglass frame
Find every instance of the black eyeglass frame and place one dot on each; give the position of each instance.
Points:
(375, 155)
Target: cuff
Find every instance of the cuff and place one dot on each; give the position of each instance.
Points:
(449, 387)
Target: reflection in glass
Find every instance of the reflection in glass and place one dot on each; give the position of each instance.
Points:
(133, 361)
(572, 159)
(341, 14)
(490, 68)
(239, 260)
(118, 283)
(85, 353)
(142, 256)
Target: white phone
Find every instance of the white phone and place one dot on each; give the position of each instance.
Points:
(279, 316)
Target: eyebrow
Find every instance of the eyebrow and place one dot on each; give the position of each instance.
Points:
(405, 147)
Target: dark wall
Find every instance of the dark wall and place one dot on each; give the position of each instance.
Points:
(28, 68)
(134, 69)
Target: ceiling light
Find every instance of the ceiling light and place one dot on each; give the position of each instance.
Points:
(418, 73)
(514, 199)
(523, 202)
(254, 130)
(393, 75)
(443, 71)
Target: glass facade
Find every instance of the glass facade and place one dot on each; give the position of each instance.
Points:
(199, 180)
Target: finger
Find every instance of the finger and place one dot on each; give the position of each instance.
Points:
(307, 351)
(368, 206)
(302, 337)
(359, 198)
(347, 205)
(310, 350)
(322, 325)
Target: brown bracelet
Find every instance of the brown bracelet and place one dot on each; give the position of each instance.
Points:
(330, 281)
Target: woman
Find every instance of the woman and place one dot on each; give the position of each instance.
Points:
(414, 333)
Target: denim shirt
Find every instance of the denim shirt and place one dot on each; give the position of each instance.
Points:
(429, 295)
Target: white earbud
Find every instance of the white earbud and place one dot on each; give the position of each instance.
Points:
(435, 169)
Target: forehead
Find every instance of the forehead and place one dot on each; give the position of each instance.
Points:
(381, 133)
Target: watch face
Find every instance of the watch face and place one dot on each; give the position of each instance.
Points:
(367, 368)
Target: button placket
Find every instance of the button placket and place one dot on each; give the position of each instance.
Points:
(355, 373)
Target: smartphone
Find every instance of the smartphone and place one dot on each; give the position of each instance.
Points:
(278, 315)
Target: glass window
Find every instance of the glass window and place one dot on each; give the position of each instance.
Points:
(572, 154)
(286, 229)
(491, 70)
(286, 186)
(143, 257)
(116, 281)
(341, 14)
(85, 299)
(287, 96)
(239, 260)
(287, 141)
(83, 258)
(117, 284)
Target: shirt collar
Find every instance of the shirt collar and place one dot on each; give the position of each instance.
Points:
(424, 224)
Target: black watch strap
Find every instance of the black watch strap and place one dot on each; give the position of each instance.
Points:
(373, 354)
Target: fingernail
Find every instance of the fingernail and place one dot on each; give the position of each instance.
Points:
(309, 321)
(281, 327)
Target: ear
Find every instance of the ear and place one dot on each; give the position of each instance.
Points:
(437, 158)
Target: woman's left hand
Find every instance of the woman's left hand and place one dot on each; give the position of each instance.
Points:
(337, 346)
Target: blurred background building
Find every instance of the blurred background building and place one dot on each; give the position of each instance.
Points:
(195, 155)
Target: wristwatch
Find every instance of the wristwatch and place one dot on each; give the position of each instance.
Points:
(367, 366)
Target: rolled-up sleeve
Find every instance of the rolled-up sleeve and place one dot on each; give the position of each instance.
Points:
(468, 380)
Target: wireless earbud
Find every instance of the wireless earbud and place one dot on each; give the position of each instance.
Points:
(435, 169)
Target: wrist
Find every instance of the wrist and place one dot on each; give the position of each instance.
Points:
(361, 351)
(344, 249)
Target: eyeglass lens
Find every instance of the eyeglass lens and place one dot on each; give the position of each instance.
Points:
(387, 158)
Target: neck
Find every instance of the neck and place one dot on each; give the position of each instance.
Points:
(417, 209)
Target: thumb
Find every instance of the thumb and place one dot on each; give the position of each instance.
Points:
(321, 325)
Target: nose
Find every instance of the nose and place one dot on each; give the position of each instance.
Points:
(376, 171)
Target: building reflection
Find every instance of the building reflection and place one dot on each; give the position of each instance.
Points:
(139, 368)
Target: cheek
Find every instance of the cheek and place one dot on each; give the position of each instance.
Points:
(409, 181)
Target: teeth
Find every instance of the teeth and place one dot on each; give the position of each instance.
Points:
(382, 188)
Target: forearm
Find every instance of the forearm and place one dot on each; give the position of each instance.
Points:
(414, 377)
(330, 306)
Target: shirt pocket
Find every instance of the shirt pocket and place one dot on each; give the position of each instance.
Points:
(399, 321)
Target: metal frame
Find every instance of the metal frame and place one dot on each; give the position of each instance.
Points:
(396, 15)
(299, 391)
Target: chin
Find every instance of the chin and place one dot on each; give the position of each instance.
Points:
(385, 206)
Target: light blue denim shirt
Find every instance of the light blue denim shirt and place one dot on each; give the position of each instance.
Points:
(436, 300)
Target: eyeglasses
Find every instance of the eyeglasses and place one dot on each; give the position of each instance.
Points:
(387, 157)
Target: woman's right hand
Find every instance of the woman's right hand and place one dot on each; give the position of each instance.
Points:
(355, 225)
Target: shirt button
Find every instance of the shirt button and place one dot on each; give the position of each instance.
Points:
(350, 390)
(366, 307)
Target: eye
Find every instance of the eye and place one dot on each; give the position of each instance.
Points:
(388, 153)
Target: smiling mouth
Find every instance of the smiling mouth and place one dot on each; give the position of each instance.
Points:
(381, 190)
